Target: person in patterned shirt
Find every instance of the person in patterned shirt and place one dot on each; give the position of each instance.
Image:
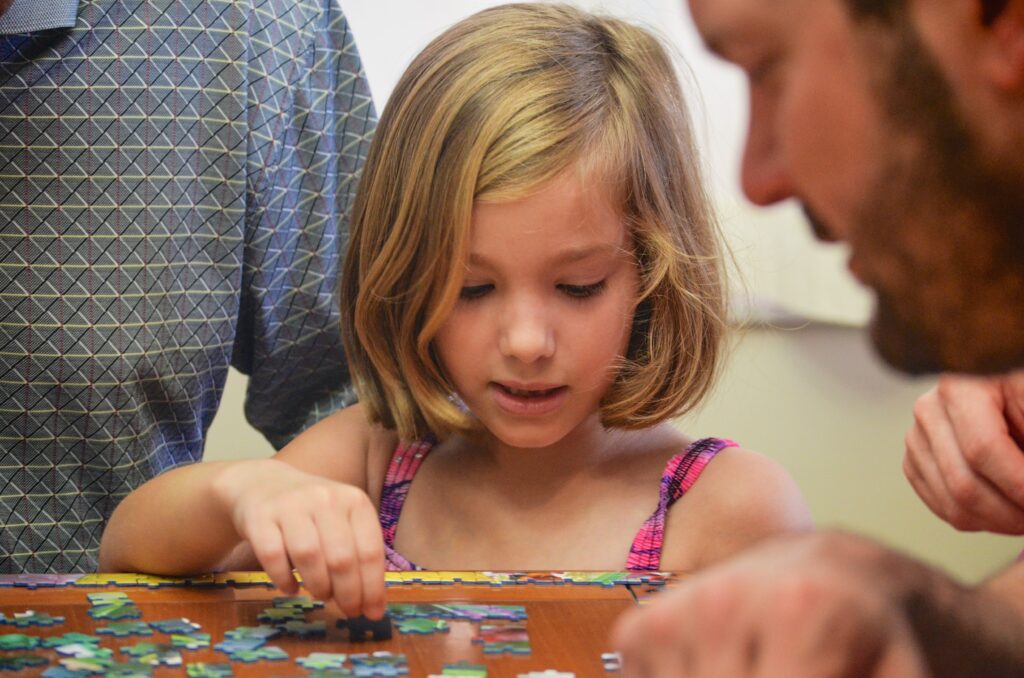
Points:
(175, 185)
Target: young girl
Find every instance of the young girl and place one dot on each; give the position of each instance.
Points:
(533, 289)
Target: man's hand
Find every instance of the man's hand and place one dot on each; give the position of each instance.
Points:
(964, 456)
(811, 605)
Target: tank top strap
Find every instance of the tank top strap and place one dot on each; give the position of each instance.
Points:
(680, 474)
(405, 462)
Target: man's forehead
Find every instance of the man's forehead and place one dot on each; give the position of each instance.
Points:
(728, 27)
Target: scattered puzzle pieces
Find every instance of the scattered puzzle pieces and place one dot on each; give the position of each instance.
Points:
(360, 627)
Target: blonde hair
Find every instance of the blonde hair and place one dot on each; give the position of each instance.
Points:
(493, 108)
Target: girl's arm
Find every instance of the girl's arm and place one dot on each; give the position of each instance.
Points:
(306, 509)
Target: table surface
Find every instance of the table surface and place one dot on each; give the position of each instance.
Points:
(569, 616)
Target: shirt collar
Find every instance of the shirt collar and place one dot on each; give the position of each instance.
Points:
(30, 16)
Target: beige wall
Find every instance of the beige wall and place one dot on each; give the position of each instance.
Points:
(817, 400)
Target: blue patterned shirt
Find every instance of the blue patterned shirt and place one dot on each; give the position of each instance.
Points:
(175, 183)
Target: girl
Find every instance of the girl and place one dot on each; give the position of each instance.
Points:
(533, 289)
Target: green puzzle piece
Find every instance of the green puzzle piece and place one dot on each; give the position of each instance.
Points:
(421, 625)
(17, 662)
(18, 641)
(203, 670)
(270, 653)
(190, 641)
(320, 661)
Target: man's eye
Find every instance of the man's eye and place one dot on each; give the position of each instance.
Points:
(582, 291)
(471, 292)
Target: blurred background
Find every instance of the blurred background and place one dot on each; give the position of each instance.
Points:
(801, 384)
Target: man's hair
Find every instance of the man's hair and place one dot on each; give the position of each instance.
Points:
(492, 109)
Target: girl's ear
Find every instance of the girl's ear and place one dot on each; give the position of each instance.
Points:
(1003, 45)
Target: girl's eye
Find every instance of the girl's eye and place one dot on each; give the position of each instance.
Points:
(471, 292)
(582, 291)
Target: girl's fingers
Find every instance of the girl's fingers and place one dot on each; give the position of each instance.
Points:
(339, 558)
(268, 546)
(302, 540)
(369, 549)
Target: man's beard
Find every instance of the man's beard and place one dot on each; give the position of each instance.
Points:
(965, 312)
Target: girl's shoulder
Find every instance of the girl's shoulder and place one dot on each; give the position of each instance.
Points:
(345, 447)
(740, 497)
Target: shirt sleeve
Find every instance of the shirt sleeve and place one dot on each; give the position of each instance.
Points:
(311, 120)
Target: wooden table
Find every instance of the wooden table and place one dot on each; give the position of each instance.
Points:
(569, 616)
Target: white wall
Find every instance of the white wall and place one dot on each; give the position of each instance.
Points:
(815, 398)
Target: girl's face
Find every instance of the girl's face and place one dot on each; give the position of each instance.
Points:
(545, 311)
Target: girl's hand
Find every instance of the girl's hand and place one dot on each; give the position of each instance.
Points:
(326, 530)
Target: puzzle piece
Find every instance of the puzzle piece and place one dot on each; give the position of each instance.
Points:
(332, 673)
(279, 615)
(612, 661)
(300, 602)
(125, 628)
(360, 627)
(190, 641)
(204, 670)
(17, 662)
(128, 670)
(269, 652)
(87, 664)
(379, 664)
(115, 610)
(154, 654)
(510, 639)
(305, 629)
(70, 638)
(479, 613)
(18, 641)
(182, 626)
(30, 618)
(465, 668)
(84, 651)
(262, 631)
(107, 597)
(232, 646)
(320, 661)
(61, 672)
(421, 626)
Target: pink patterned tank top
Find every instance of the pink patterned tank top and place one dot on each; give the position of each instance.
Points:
(680, 474)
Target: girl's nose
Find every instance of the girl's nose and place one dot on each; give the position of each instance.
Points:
(527, 335)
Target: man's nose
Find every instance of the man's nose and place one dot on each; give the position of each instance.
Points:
(765, 176)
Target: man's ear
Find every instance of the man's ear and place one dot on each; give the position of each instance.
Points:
(1002, 22)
